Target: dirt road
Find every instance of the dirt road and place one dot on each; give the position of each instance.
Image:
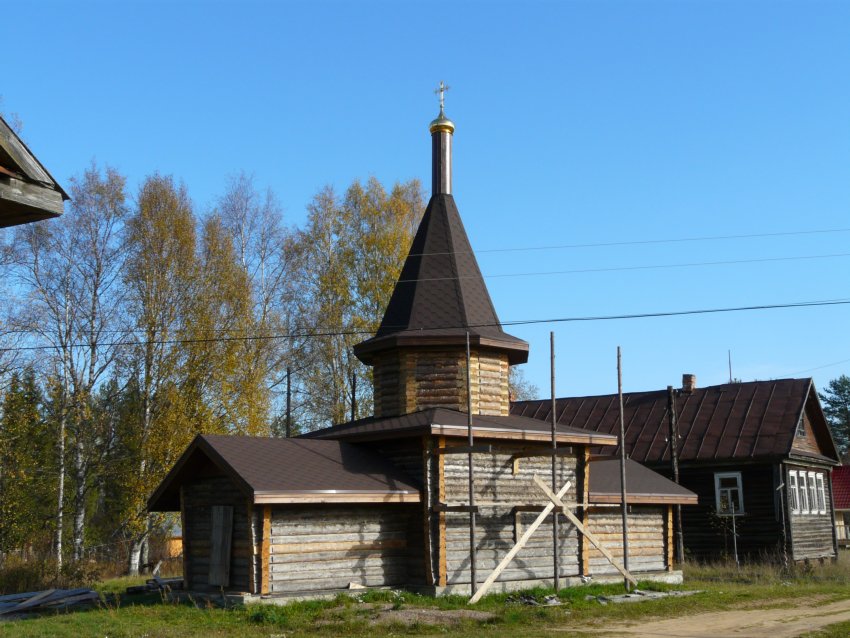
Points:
(785, 622)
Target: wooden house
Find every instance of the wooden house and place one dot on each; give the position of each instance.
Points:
(841, 503)
(421, 495)
(28, 193)
(758, 454)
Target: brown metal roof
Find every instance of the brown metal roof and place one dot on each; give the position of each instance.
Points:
(271, 470)
(750, 420)
(453, 423)
(440, 294)
(642, 484)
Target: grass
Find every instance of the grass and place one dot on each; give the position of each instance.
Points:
(723, 586)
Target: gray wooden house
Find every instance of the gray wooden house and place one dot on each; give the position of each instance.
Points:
(28, 192)
(760, 452)
(385, 501)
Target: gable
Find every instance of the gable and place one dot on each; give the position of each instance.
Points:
(27, 191)
(812, 436)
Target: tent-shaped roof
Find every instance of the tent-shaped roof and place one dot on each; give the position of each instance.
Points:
(642, 484)
(28, 192)
(273, 470)
(757, 419)
(446, 422)
(440, 294)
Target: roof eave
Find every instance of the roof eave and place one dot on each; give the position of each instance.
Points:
(516, 349)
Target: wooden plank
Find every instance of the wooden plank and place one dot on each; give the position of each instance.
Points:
(585, 512)
(290, 498)
(330, 546)
(428, 493)
(669, 538)
(21, 156)
(185, 540)
(265, 554)
(221, 538)
(441, 525)
(485, 586)
(444, 507)
(581, 528)
(465, 449)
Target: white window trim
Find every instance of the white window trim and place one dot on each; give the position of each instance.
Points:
(737, 477)
(821, 489)
(792, 489)
(813, 492)
(803, 491)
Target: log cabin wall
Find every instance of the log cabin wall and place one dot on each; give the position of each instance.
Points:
(199, 498)
(709, 536)
(648, 546)
(416, 379)
(498, 525)
(811, 534)
(321, 547)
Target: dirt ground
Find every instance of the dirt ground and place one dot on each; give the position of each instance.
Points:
(785, 622)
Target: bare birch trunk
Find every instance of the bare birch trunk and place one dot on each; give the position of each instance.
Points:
(79, 500)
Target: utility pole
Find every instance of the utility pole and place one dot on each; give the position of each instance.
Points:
(673, 434)
(623, 467)
(555, 483)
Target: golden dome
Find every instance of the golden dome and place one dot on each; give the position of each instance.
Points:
(442, 123)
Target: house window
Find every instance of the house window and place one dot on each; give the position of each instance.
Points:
(804, 493)
(821, 493)
(813, 494)
(729, 495)
(792, 490)
(801, 428)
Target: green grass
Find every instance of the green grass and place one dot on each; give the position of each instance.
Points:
(723, 587)
(838, 630)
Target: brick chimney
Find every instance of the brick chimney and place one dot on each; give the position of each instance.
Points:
(689, 383)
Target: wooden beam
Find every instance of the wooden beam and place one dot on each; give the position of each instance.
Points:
(444, 507)
(442, 559)
(581, 528)
(221, 540)
(585, 512)
(517, 547)
(465, 449)
(343, 546)
(265, 556)
(253, 586)
(29, 198)
(427, 528)
(669, 538)
(22, 156)
(281, 498)
(547, 452)
(187, 573)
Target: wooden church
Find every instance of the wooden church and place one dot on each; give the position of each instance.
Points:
(442, 490)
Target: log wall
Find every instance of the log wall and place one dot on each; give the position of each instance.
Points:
(329, 546)
(812, 534)
(647, 538)
(198, 497)
(499, 526)
(409, 380)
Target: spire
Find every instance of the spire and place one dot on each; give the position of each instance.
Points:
(441, 294)
(442, 129)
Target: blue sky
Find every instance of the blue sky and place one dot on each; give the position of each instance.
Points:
(577, 123)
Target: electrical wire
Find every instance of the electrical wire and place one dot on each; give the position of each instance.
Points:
(340, 333)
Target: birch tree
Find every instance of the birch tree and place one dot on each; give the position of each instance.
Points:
(70, 272)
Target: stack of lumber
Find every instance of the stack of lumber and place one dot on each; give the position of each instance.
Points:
(49, 599)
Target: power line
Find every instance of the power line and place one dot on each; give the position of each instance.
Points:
(340, 333)
(627, 268)
(642, 242)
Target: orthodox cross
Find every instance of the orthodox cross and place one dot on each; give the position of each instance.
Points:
(442, 91)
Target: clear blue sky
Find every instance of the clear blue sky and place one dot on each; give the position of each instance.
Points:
(577, 123)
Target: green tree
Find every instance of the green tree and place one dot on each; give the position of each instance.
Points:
(27, 465)
(836, 407)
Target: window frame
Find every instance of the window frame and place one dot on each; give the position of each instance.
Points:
(820, 487)
(813, 493)
(792, 490)
(718, 490)
(803, 490)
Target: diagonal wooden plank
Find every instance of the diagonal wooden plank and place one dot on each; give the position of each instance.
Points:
(581, 528)
(518, 546)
